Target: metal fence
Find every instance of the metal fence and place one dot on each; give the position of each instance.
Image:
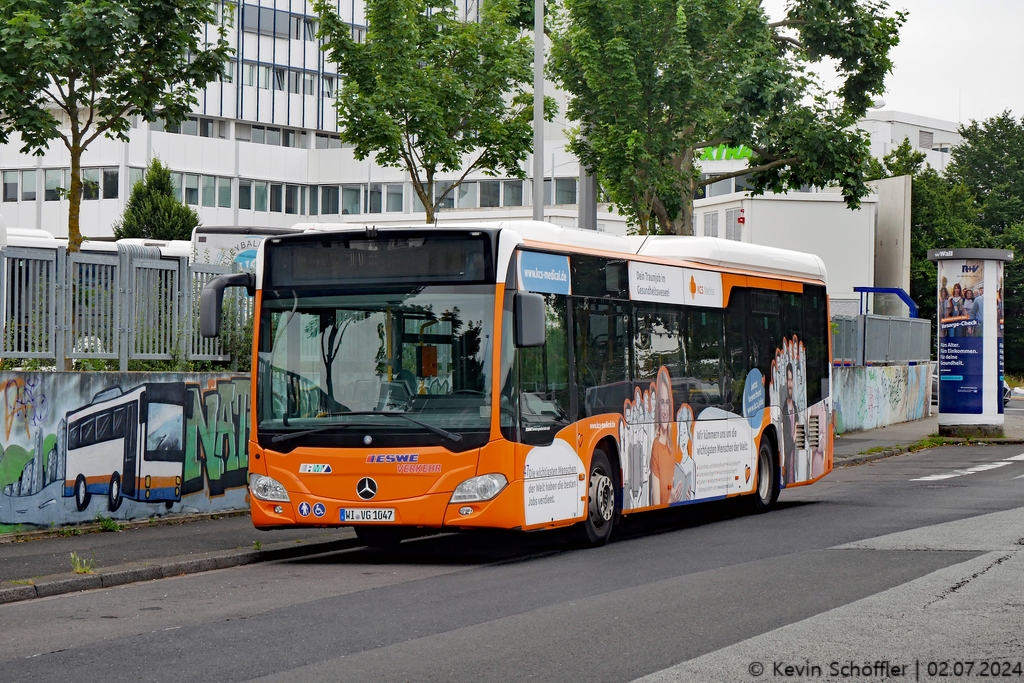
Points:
(130, 305)
(880, 340)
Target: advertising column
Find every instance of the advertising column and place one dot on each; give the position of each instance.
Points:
(970, 340)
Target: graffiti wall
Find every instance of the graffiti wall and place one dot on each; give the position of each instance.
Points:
(870, 397)
(75, 445)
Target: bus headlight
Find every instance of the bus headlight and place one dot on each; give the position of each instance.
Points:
(480, 488)
(265, 488)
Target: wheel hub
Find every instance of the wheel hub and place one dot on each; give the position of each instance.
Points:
(602, 498)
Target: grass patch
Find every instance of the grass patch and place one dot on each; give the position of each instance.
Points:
(256, 545)
(108, 524)
(80, 565)
(22, 582)
(930, 441)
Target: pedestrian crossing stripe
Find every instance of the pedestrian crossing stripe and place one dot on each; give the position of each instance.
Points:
(970, 470)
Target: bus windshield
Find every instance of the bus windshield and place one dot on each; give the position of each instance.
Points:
(347, 362)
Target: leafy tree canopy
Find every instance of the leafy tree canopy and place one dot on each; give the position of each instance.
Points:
(432, 94)
(989, 163)
(153, 210)
(652, 83)
(947, 214)
(76, 69)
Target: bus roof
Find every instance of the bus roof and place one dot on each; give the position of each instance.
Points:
(710, 251)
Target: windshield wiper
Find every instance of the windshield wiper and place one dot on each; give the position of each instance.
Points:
(451, 436)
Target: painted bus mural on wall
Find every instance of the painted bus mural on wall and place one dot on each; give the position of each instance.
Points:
(122, 445)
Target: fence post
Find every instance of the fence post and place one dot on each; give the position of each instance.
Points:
(184, 309)
(127, 311)
(61, 275)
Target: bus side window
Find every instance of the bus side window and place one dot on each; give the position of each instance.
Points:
(764, 330)
(705, 357)
(73, 441)
(816, 331)
(602, 355)
(658, 334)
(736, 356)
(104, 432)
(544, 378)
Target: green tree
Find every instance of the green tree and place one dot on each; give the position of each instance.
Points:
(153, 210)
(77, 69)
(942, 216)
(988, 163)
(653, 83)
(432, 94)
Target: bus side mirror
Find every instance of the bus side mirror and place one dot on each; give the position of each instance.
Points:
(212, 299)
(529, 319)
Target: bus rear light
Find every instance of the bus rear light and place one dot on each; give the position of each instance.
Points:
(177, 481)
(479, 489)
(149, 481)
(147, 494)
(265, 488)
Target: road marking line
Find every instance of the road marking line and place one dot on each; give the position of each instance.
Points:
(1017, 457)
(1019, 476)
(960, 473)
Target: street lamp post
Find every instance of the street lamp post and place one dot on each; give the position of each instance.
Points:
(538, 110)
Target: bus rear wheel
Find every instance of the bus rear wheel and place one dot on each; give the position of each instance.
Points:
(114, 492)
(82, 496)
(767, 492)
(596, 529)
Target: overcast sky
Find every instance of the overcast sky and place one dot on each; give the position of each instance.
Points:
(957, 59)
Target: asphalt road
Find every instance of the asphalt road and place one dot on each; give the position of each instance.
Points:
(907, 559)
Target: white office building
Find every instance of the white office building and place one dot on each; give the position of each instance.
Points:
(262, 147)
(262, 150)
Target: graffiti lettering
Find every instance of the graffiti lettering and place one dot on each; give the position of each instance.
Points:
(216, 436)
(24, 403)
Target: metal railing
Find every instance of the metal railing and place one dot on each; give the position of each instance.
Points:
(132, 305)
(880, 340)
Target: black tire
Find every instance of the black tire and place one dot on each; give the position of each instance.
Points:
(602, 504)
(168, 504)
(114, 492)
(82, 496)
(380, 537)
(767, 492)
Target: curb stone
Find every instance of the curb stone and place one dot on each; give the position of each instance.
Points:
(108, 577)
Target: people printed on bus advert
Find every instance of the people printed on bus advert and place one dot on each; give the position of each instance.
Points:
(657, 441)
(684, 483)
(663, 457)
(789, 392)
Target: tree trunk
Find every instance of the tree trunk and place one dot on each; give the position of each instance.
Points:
(75, 198)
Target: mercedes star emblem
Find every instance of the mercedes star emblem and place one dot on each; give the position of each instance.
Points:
(366, 488)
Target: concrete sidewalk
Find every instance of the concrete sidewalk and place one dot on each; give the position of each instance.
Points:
(857, 447)
(38, 564)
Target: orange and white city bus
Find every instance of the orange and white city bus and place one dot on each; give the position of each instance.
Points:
(521, 375)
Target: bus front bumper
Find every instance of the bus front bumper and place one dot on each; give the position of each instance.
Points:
(504, 511)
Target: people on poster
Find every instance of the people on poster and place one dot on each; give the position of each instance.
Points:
(956, 308)
(663, 456)
(978, 312)
(789, 416)
(969, 309)
(684, 483)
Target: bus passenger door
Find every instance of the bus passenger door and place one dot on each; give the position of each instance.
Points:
(129, 414)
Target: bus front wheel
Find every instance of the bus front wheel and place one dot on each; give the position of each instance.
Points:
(114, 492)
(597, 528)
(767, 492)
(82, 496)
